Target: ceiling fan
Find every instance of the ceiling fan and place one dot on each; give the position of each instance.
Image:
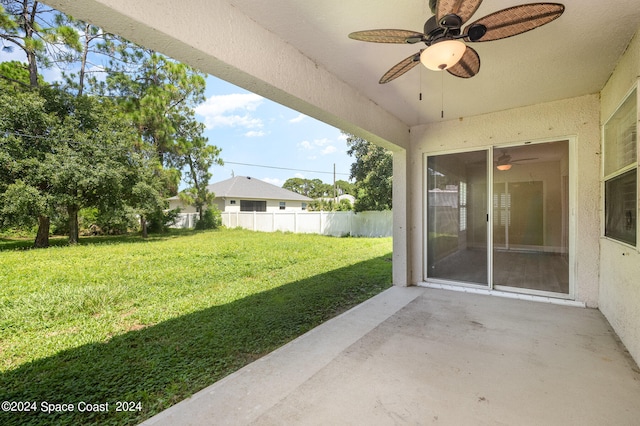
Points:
(444, 36)
(504, 162)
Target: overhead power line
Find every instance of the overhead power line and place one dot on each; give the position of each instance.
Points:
(283, 168)
(7, 133)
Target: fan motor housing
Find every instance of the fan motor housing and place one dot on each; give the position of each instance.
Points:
(448, 26)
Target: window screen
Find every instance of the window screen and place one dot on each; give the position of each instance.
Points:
(621, 172)
(621, 212)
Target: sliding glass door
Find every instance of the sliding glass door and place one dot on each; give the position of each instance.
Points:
(505, 226)
(531, 217)
(457, 217)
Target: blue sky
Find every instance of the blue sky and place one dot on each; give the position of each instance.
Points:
(251, 129)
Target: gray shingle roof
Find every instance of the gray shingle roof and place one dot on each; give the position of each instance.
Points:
(250, 188)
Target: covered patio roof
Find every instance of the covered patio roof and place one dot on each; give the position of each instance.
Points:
(299, 54)
(412, 354)
(418, 356)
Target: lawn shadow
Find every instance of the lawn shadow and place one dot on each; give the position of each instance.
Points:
(9, 244)
(167, 362)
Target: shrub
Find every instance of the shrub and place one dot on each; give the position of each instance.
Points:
(211, 219)
(116, 221)
(161, 220)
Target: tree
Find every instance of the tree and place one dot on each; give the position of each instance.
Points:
(75, 166)
(89, 164)
(66, 151)
(14, 77)
(24, 24)
(313, 188)
(344, 187)
(147, 199)
(344, 205)
(297, 185)
(78, 72)
(24, 144)
(79, 68)
(159, 95)
(373, 172)
(197, 157)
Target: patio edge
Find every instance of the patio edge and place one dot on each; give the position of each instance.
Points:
(245, 394)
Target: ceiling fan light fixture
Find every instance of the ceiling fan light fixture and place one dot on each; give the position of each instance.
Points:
(503, 167)
(443, 54)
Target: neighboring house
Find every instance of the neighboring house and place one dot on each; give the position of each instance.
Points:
(247, 194)
(535, 158)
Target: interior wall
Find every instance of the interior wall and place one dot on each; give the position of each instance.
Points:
(549, 173)
(561, 120)
(620, 264)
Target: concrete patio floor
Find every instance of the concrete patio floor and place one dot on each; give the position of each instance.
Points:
(428, 356)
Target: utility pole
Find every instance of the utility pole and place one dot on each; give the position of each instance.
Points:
(335, 189)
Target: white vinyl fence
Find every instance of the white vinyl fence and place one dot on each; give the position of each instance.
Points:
(363, 224)
(186, 220)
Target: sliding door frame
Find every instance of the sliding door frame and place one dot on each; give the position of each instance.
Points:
(572, 187)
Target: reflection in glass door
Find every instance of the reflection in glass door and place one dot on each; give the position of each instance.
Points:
(531, 217)
(528, 204)
(457, 217)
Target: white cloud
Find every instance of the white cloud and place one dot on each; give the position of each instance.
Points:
(299, 175)
(52, 75)
(321, 142)
(273, 181)
(255, 134)
(227, 110)
(324, 146)
(12, 53)
(305, 145)
(233, 121)
(99, 72)
(298, 119)
(317, 143)
(342, 137)
(329, 150)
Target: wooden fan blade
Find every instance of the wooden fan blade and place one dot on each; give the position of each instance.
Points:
(388, 36)
(463, 8)
(516, 20)
(524, 159)
(401, 68)
(468, 66)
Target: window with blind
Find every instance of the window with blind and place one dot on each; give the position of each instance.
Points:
(253, 206)
(621, 172)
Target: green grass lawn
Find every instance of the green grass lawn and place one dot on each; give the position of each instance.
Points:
(124, 319)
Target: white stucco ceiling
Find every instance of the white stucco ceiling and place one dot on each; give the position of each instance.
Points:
(270, 46)
(569, 57)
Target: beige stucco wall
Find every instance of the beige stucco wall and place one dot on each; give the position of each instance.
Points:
(272, 206)
(224, 205)
(620, 264)
(174, 204)
(575, 119)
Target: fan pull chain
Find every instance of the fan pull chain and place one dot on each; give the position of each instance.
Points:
(442, 95)
(420, 97)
